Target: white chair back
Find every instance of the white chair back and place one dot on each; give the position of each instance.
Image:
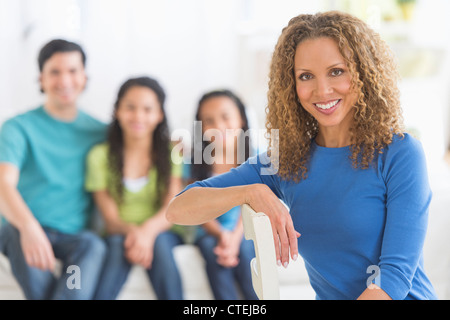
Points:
(265, 280)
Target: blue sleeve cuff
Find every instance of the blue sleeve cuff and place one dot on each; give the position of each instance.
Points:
(192, 185)
(394, 283)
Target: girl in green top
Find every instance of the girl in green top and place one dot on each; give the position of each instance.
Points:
(133, 179)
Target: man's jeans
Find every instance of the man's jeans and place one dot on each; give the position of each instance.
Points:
(81, 255)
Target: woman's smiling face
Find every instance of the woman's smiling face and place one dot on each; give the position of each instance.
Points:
(323, 83)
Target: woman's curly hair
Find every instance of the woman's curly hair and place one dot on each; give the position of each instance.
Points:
(377, 112)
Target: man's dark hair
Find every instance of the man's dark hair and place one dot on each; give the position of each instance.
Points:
(58, 45)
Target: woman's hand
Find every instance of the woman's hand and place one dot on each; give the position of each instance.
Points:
(261, 199)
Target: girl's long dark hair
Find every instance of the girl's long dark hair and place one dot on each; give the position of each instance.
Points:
(203, 170)
(160, 152)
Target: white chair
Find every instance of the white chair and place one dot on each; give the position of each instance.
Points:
(265, 280)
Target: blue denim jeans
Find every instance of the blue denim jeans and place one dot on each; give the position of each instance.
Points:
(223, 280)
(84, 250)
(163, 273)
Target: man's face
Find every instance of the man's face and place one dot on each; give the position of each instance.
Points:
(63, 78)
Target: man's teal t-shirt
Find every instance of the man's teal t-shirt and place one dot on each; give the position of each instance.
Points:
(50, 155)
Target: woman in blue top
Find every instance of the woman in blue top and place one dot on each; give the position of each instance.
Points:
(355, 184)
(221, 241)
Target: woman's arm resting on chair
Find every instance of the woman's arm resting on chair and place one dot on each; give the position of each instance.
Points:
(199, 205)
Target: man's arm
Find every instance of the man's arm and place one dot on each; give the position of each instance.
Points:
(36, 247)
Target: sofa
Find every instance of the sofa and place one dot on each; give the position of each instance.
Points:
(294, 283)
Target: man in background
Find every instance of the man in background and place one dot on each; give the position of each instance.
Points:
(42, 196)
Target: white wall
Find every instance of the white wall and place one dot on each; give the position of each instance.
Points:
(190, 46)
(197, 45)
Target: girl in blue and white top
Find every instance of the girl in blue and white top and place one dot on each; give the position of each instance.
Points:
(224, 122)
(355, 184)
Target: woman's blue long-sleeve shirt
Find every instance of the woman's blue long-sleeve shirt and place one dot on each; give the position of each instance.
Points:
(356, 225)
